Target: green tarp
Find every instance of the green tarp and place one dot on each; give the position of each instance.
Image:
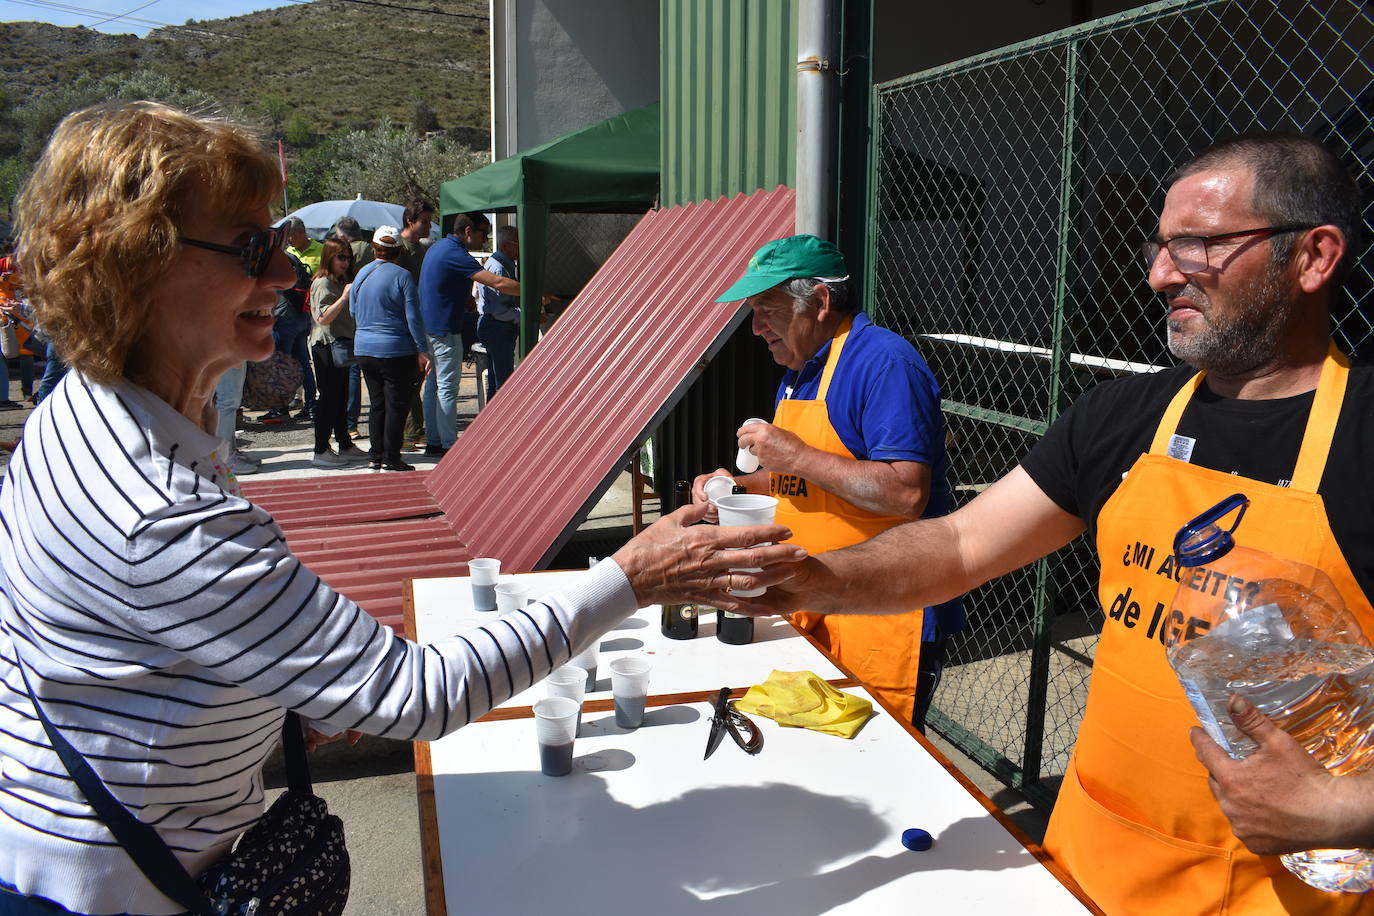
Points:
(608, 167)
(611, 167)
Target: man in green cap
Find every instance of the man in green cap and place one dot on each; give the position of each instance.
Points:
(856, 447)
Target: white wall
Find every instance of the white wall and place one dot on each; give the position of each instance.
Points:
(560, 65)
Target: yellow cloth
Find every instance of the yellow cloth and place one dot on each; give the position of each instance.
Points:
(800, 699)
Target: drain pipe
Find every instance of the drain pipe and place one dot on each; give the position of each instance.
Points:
(816, 115)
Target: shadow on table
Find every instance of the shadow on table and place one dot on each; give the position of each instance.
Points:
(723, 850)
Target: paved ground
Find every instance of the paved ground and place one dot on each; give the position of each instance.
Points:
(372, 785)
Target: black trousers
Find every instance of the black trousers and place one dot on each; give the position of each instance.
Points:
(331, 402)
(390, 382)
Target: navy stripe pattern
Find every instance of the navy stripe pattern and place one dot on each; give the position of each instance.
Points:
(165, 626)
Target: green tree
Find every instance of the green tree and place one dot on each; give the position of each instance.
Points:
(393, 164)
(275, 107)
(298, 130)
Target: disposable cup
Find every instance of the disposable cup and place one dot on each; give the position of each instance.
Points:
(746, 460)
(510, 596)
(483, 572)
(569, 681)
(555, 725)
(586, 660)
(630, 685)
(717, 487)
(746, 509)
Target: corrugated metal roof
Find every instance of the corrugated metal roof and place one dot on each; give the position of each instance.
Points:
(529, 468)
(535, 461)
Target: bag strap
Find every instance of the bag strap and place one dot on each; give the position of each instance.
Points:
(143, 844)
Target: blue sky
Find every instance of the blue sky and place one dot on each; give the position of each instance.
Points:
(123, 16)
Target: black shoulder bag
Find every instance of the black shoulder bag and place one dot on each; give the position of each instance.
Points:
(291, 862)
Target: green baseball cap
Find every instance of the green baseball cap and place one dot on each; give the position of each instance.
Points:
(786, 259)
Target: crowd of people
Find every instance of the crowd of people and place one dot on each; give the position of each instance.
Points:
(165, 627)
(457, 303)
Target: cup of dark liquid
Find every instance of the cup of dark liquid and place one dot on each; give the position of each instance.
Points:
(555, 725)
(484, 571)
(630, 685)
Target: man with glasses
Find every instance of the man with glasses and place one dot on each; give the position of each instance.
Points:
(1256, 235)
(856, 446)
(446, 279)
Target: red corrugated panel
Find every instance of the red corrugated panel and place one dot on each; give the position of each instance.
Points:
(527, 470)
(535, 461)
(345, 499)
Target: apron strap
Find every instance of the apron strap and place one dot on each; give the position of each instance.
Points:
(1321, 420)
(833, 358)
(1168, 424)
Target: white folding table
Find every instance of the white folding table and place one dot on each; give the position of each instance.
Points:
(644, 825)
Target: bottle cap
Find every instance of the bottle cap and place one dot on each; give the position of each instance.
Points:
(917, 839)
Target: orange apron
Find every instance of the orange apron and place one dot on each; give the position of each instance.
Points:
(882, 650)
(1135, 823)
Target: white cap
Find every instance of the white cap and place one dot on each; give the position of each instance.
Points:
(387, 236)
(718, 486)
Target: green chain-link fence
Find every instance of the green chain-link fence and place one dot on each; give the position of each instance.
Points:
(1012, 190)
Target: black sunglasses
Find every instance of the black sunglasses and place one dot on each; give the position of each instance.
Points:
(256, 255)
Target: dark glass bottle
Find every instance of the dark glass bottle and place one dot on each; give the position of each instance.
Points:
(735, 629)
(680, 620)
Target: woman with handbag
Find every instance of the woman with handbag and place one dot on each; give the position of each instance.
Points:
(331, 350)
(155, 627)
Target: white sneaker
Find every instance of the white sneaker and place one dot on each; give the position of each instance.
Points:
(240, 465)
(353, 453)
(328, 460)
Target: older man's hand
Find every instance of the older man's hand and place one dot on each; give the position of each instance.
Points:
(776, 448)
(675, 561)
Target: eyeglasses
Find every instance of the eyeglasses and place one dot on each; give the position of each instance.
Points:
(1189, 252)
(256, 255)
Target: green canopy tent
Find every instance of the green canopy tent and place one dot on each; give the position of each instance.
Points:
(611, 167)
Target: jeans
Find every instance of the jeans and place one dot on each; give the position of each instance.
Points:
(390, 381)
(441, 391)
(331, 409)
(53, 370)
(355, 394)
(292, 335)
(228, 396)
(499, 338)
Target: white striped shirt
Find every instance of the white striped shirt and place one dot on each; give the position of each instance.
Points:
(164, 625)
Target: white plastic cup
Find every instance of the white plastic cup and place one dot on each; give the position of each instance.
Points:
(568, 681)
(718, 486)
(484, 571)
(741, 509)
(745, 460)
(630, 685)
(555, 725)
(587, 660)
(510, 596)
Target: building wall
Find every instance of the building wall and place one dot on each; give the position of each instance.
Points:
(561, 65)
(729, 96)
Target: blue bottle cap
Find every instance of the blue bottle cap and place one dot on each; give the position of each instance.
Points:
(917, 839)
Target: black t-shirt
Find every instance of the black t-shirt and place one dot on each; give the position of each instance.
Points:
(1080, 461)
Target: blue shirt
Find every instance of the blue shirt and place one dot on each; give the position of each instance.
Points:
(387, 312)
(884, 404)
(446, 285)
(497, 305)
